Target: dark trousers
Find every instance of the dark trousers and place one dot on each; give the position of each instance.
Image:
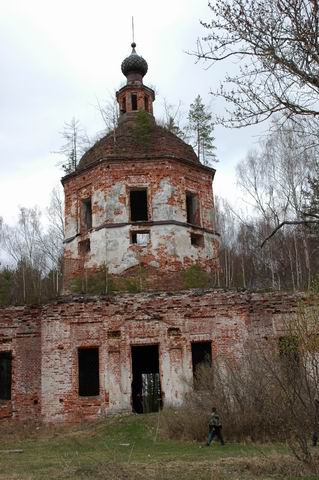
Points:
(314, 438)
(215, 432)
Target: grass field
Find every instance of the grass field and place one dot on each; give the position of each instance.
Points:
(132, 447)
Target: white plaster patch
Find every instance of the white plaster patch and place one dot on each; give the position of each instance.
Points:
(71, 221)
(71, 249)
(162, 210)
(115, 210)
(154, 264)
(98, 199)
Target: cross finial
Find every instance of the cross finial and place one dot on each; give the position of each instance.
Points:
(133, 30)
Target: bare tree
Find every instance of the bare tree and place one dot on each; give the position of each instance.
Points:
(109, 111)
(173, 118)
(226, 225)
(51, 240)
(21, 244)
(76, 144)
(34, 254)
(275, 182)
(277, 49)
(275, 178)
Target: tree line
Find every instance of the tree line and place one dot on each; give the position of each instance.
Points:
(31, 253)
(272, 49)
(279, 181)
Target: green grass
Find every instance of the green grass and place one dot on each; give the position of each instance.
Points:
(130, 447)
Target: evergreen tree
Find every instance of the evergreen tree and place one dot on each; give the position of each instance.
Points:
(201, 128)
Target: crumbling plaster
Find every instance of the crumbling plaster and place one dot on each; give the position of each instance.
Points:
(112, 247)
(170, 249)
(44, 342)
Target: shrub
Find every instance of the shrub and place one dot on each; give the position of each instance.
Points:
(267, 394)
(195, 277)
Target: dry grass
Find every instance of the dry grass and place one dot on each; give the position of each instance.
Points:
(258, 467)
(275, 467)
(94, 451)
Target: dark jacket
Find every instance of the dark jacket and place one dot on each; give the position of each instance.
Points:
(214, 421)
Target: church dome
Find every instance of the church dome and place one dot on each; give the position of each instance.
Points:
(134, 63)
(124, 144)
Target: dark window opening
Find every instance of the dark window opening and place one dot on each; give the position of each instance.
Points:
(5, 375)
(201, 358)
(138, 203)
(174, 332)
(84, 246)
(146, 103)
(197, 240)
(192, 208)
(146, 385)
(141, 238)
(114, 334)
(134, 101)
(88, 362)
(86, 214)
(123, 108)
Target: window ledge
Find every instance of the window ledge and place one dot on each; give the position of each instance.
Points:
(89, 397)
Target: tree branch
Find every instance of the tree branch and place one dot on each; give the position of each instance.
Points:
(287, 222)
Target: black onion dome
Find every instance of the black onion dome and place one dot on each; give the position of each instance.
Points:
(134, 63)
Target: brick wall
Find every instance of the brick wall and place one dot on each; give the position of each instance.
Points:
(20, 334)
(45, 367)
(169, 250)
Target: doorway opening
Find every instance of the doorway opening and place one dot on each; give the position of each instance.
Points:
(201, 358)
(146, 385)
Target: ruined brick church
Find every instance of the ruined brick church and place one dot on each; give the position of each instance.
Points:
(139, 223)
(139, 199)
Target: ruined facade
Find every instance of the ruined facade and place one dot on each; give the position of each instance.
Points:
(139, 199)
(85, 357)
(139, 206)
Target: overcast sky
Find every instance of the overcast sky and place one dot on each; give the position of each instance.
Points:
(58, 57)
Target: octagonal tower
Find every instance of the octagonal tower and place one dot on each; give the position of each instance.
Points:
(139, 210)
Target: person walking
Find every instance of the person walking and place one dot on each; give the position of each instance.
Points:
(215, 428)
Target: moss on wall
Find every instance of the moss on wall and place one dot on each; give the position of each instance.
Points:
(101, 282)
(196, 277)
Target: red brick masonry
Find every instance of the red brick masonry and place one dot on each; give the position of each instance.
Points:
(44, 342)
